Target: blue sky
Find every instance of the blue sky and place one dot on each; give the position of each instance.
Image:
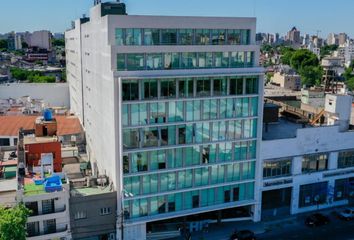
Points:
(272, 15)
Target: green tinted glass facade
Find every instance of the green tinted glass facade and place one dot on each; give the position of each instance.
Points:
(148, 37)
(188, 142)
(184, 60)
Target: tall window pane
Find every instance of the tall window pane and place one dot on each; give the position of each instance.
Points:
(221, 59)
(218, 36)
(151, 36)
(220, 86)
(237, 59)
(119, 37)
(121, 66)
(203, 87)
(130, 90)
(153, 61)
(169, 36)
(133, 36)
(168, 88)
(185, 88)
(185, 37)
(150, 89)
(234, 37)
(171, 61)
(135, 61)
(202, 37)
(189, 60)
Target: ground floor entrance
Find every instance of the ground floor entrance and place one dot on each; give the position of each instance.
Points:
(276, 203)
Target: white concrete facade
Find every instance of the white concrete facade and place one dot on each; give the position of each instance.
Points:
(327, 140)
(91, 48)
(59, 214)
(41, 39)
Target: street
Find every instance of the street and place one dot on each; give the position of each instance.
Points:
(290, 227)
(336, 229)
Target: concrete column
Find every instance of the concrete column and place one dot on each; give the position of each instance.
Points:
(295, 193)
(330, 194)
(135, 232)
(296, 165)
(40, 210)
(12, 141)
(333, 161)
(257, 209)
(41, 227)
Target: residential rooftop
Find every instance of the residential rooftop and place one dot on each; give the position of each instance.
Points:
(10, 125)
(8, 185)
(88, 191)
(282, 129)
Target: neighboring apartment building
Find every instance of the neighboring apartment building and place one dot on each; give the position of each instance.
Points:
(286, 77)
(313, 167)
(42, 186)
(293, 36)
(93, 213)
(172, 109)
(41, 39)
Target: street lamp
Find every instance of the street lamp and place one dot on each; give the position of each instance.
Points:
(123, 194)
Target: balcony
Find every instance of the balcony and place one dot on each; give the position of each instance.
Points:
(53, 232)
(35, 211)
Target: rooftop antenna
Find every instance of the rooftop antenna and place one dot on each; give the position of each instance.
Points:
(96, 2)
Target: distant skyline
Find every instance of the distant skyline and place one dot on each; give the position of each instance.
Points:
(272, 15)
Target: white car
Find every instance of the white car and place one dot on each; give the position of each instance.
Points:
(347, 213)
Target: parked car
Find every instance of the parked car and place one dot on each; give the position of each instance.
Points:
(243, 235)
(316, 219)
(347, 213)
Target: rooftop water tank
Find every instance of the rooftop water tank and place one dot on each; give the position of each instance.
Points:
(47, 114)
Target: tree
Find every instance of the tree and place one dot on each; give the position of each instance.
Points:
(311, 75)
(287, 53)
(13, 222)
(3, 44)
(327, 50)
(303, 58)
(348, 73)
(24, 45)
(19, 74)
(350, 84)
(58, 42)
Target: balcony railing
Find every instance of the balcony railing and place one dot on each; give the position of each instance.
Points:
(38, 213)
(51, 231)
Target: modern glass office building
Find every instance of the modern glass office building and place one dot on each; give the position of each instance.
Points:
(171, 108)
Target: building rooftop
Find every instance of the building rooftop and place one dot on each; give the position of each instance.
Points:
(31, 139)
(88, 191)
(10, 125)
(8, 185)
(281, 130)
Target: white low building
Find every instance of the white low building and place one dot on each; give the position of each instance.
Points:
(306, 169)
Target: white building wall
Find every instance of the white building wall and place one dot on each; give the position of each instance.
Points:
(309, 141)
(61, 214)
(74, 69)
(55, 94)
(41, 39)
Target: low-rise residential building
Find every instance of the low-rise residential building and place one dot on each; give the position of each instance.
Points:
(286, 77)
(93, 212)
(42, 186)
